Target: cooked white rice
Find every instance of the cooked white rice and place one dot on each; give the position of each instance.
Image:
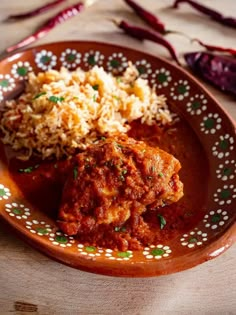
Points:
(61, 111)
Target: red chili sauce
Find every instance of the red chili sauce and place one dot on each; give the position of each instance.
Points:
(42, 187)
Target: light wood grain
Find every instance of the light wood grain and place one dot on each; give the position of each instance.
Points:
(27, 276)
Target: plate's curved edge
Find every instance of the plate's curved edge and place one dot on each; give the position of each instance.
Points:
(124, 269)
(227, 239)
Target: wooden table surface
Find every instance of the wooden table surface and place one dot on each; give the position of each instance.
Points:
(31, 283)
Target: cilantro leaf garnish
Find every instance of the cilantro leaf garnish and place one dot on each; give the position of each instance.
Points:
(162, 221)
(55, 99)
(28, 169)
(38, 95)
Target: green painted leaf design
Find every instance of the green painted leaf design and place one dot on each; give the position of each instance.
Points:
(225, 194)
(227, 171)
(22, 71)
(124, 254)
(181, 89)
(91, 60)
(16, 211)
(216, 218)
(61, 239)
(161, 77)
(157, 252)
(90, 249)
(193, 240)
(114, 63)
(224, 144)
(209, 123)
(43, 231)
(195, 105)
(4, 83)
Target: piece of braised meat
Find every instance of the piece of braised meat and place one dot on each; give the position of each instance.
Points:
(114, 180)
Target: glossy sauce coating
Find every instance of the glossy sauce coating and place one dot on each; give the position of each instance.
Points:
(43, 188)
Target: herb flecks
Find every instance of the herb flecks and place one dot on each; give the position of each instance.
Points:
(122, 178)
(95, 87)
(123, 172)
(103, 138)
(160, 174)
(75, 172)
(28, 169)
(119, 145)
(116, 97)
(38, 95)
(153, 169)
(120, 229)
(94, 97)
(55, 99)
(162, 221)
(119, 79)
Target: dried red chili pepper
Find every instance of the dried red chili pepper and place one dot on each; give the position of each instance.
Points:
(151, 19)
(59, 18)
(35, 12)
(231, 51)
(219, 70)
(142, 34)
(148, 17)
(228, 21)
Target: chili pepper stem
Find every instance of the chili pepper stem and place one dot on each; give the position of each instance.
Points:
(169, 32)
(146, 34)
(210, 47)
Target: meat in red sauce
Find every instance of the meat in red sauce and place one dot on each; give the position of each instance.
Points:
(115, 180)
(43, 188)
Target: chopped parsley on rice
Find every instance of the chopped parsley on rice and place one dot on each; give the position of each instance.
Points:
(61, 111)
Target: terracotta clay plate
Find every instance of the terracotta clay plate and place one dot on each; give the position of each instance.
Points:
(210, 183)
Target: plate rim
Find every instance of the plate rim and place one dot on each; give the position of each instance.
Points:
(203, 253)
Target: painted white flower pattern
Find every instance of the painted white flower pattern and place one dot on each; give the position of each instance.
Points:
(215, 219)
(225, 195)
(19, 211)
(180, 90)
(211, 123)
(38, 227)
(117, 62)
(90, 251)
(193, 238)
(93, 57)
(70, 58)
(161, 78)
(227, 170)
(45, 60)
(7, 83)
(118, 255)
(144, 68)
(156, 251)
(60, 239)
(4, 192)
(197, 104)
(21, 69)
(223, 146)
